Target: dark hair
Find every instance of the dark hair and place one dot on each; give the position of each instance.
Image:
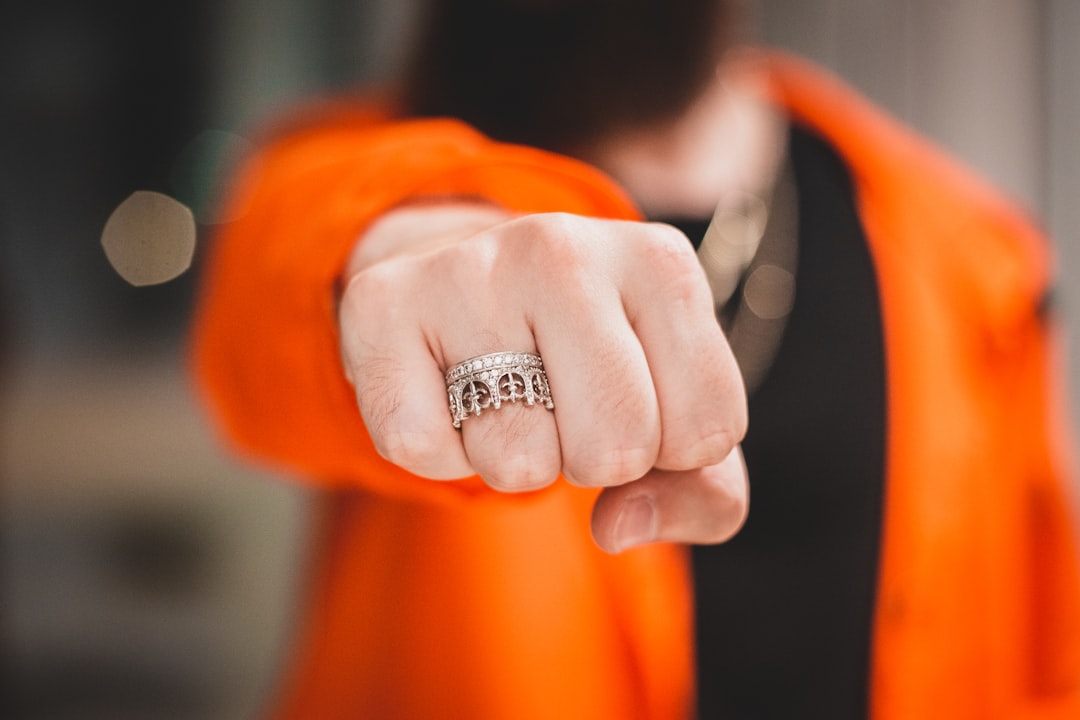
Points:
(559, 73)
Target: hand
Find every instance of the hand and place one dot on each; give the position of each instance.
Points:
(649, 403)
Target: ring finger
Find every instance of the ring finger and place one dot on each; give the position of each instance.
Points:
(501, 400)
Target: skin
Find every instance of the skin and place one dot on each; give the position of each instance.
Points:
(648, 409)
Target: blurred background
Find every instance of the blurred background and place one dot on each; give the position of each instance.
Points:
(145, 574)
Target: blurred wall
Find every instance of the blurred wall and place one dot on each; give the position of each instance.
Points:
(1062, 153)
(968, 73)
(994, 81)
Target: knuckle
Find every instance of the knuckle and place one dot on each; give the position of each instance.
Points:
(611, 467)
(669, 248)
(465, 263)
(700, 447)
(740, 422)
(508, 455)
(519, 473)
(373, 282)
(411, 451)
(367, 304)
(670, 258)
(555, 243)
(553, 225)
(731, 507)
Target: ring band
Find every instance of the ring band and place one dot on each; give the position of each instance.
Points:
(493, 379)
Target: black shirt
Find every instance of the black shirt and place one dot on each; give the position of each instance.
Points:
(785, 609)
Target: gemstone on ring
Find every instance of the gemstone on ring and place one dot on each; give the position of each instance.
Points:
(488, 381)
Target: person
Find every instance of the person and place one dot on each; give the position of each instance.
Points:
(483, 250)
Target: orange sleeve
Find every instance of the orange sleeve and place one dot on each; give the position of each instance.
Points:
(265, 350)
(1029, 359)
(1054, 579)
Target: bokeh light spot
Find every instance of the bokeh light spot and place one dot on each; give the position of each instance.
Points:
(149, 238)
(770, 292)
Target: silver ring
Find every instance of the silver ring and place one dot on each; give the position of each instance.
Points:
(488, 381)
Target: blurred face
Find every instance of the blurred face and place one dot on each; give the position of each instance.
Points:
(560, 73)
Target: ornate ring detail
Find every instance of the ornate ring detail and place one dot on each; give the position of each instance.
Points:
(488, 381)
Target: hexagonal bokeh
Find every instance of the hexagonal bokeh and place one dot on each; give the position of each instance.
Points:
(149, 238)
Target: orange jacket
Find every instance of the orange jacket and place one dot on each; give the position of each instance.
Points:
(434, 599)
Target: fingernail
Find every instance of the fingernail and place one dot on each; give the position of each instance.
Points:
(636, 524)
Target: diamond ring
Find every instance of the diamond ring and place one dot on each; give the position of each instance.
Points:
(488, 381)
